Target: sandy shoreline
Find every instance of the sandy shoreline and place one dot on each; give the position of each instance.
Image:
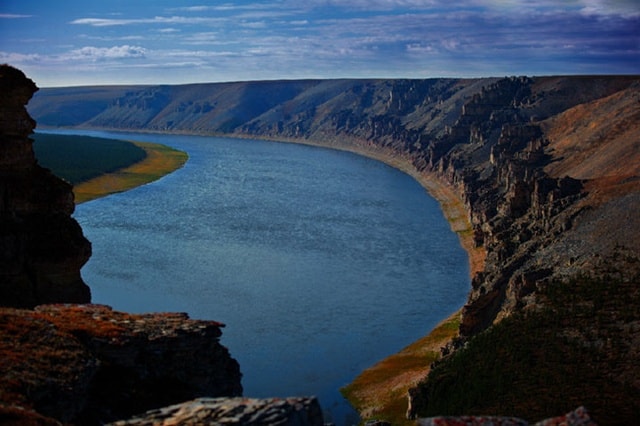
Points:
(160, 160)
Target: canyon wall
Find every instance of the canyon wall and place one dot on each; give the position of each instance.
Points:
(41, 247)
(547, 168)
(495, 140)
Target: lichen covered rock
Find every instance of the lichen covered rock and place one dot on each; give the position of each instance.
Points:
(295, 411)
(88, 364)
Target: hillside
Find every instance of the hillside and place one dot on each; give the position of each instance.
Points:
(547, 168)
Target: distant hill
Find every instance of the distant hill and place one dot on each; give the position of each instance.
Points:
(548, 169)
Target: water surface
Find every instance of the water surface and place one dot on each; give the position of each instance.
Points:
(319, 262)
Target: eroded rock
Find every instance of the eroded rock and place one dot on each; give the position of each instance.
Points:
(42, 247)
(299, 411)
(88, 364)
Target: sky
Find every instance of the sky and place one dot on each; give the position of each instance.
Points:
(82, 42)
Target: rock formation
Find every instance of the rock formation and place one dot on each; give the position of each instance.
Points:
(88, 364)
(41, 247)
(234, 411)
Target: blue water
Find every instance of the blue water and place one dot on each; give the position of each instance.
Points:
(319, 262)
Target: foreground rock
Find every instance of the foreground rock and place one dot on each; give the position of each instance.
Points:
(234, 411)
(88, 364)
(578, 417)
(41, 247)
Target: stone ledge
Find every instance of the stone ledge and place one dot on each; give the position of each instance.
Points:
(299, 411)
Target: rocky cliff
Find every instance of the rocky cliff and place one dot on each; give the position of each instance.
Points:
(502, 143)
(79, 363)
(547, 168)
(41, 247)
(88, 364)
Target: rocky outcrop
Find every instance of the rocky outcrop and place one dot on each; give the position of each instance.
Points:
(88, 364)
(578, 417)
(234, 411)
(41, 247)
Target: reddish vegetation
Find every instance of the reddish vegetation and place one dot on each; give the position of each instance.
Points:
(599, 141)
(80, 319)
(87, 363)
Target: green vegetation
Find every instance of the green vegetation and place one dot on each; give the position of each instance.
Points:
(160, 160)
(98, 167)
(576, 349)
(80, 158)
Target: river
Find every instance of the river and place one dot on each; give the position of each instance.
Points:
(319, 262)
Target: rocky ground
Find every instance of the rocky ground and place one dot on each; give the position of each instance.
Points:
(88, 364)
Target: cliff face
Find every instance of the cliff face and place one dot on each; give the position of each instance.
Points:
(547, 168)
(504, 144)
(41, 247)
(88, 364)
(79, 364)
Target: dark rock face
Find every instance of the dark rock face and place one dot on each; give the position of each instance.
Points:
(578, 417)
(41, 247)
(88, 364)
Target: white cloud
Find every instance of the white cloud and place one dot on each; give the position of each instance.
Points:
(13, 16)
(91, 53)
(19, 58)
(184, 20)
(377, 4)
(203, 38)
(626, 8)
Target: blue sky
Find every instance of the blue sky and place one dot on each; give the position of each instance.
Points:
(170, 41)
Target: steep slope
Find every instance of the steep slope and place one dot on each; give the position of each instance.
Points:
(42, 247)
(547, 168)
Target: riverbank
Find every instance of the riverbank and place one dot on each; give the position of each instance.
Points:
(160, 160)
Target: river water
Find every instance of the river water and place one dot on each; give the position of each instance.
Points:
(319, 262)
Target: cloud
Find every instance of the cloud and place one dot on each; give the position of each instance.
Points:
(90, 53)
(377, 4)
(202, 38)
(13, 16)
(626, 8)
(19, 58)
(108, 22)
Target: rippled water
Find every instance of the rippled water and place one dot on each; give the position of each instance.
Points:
(320, 262)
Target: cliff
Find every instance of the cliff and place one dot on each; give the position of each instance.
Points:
(547, 168)
(530, 157)
(88, 364)
(77, 363)
(41, 247)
